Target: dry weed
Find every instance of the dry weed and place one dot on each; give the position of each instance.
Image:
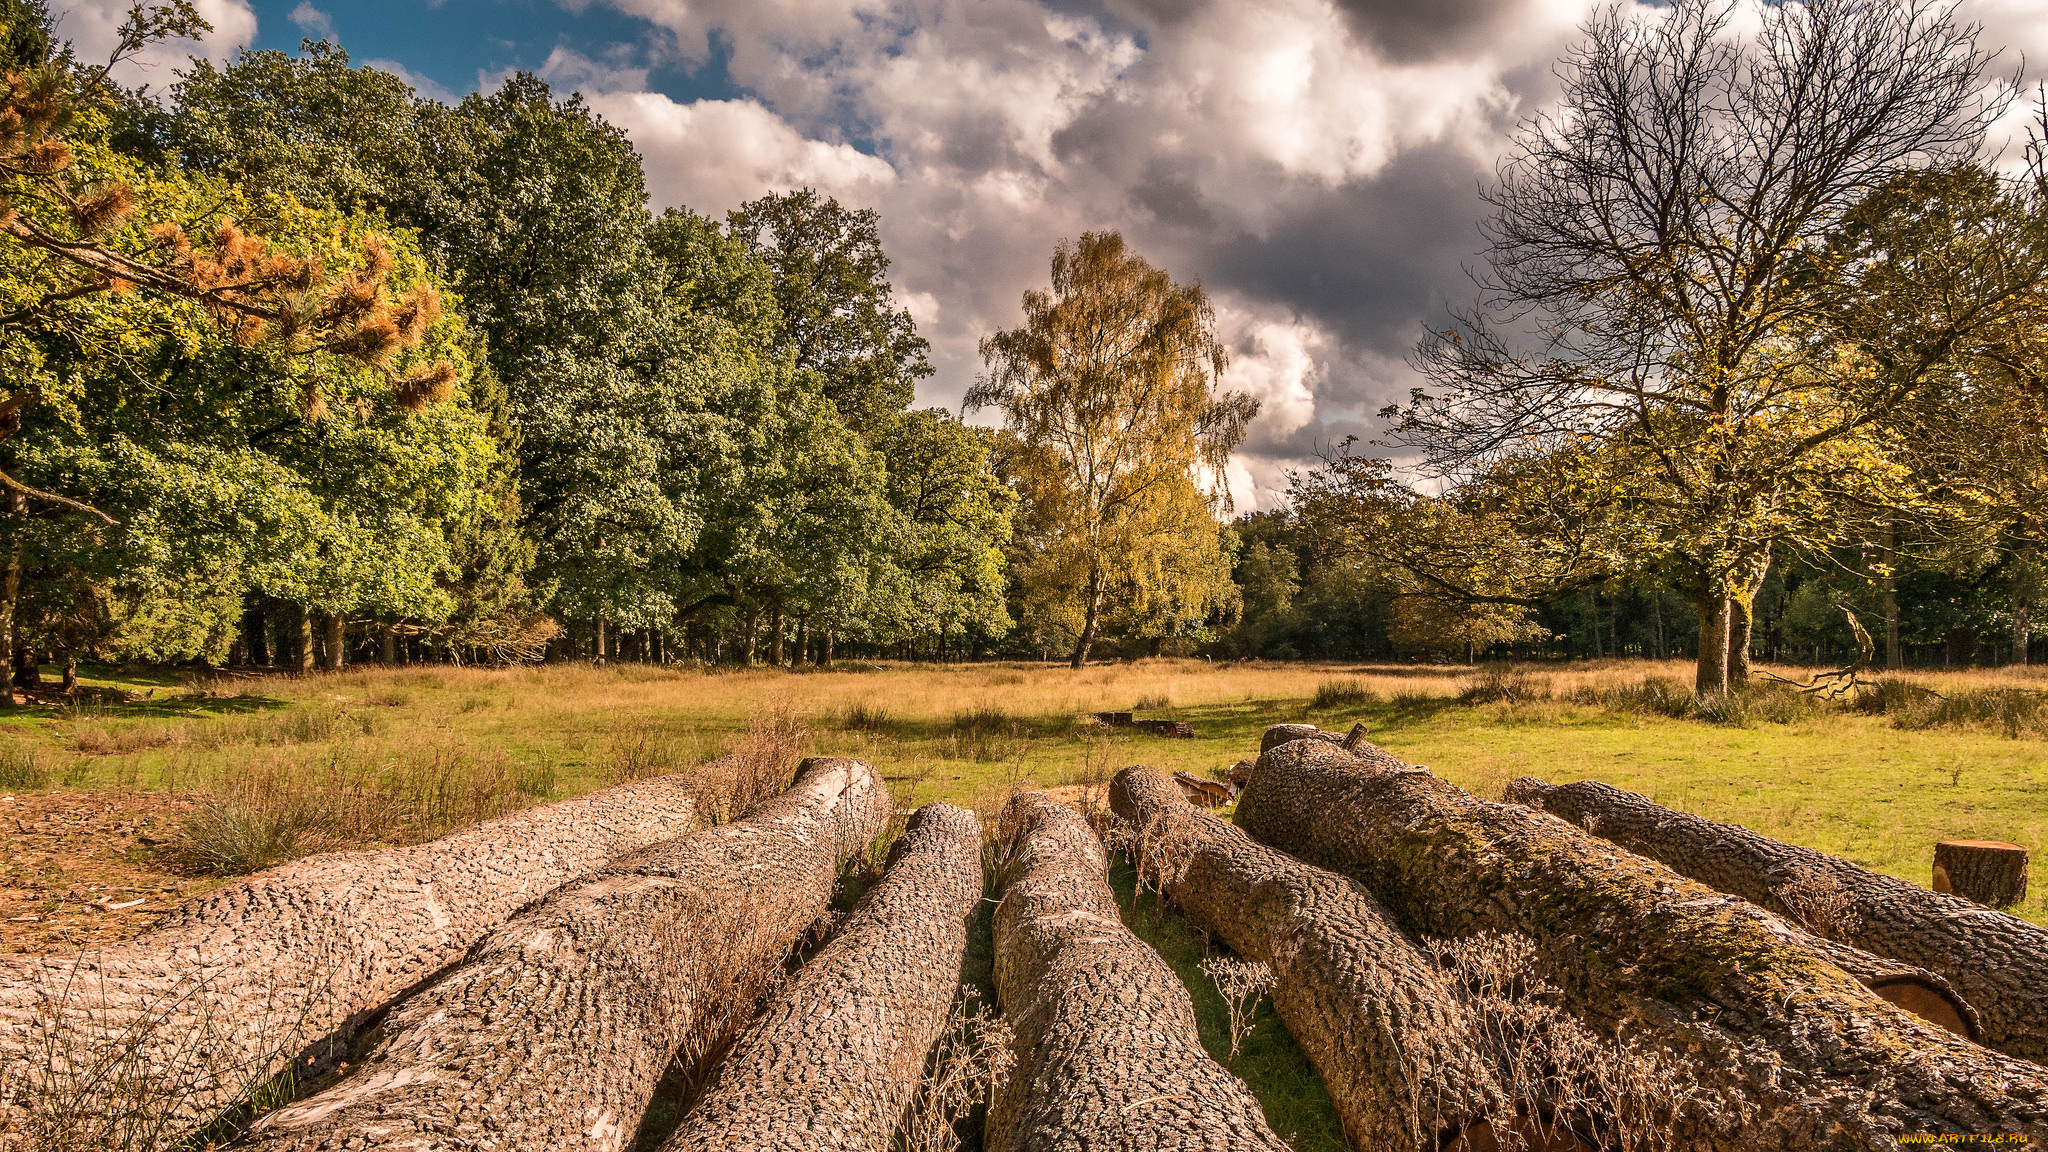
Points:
(1626, 1094)
(1820, 903)
(1241, 983)
(971, 1060)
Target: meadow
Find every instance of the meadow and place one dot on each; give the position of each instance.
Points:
(273, 767)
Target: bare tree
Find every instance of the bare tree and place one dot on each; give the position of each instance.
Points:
(1676, 275)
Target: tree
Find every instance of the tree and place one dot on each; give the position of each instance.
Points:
(839, 319)
(1678, 288)
(1109, 389)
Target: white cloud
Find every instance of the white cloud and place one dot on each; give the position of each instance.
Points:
(92, 27)
(755, 151)
(312, 21)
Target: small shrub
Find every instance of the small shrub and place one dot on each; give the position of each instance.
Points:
(1241, 983)
(758, 766)
(1342, 694)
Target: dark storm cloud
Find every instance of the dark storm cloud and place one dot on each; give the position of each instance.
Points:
(1407, 31)
(1371, 261)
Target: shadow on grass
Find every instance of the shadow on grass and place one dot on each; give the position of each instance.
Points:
(1297, 1106)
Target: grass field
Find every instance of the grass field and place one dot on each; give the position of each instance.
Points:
(373, 755)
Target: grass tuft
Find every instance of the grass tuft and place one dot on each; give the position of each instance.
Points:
(1347, 693)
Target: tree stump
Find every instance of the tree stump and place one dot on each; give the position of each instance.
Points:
(1990, 872)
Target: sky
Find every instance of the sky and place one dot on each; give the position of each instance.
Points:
(1316, 164)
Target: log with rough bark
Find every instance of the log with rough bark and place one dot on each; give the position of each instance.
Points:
(1108, 1058)
(1760, 1043)
(838, 1053)
(1280, 734)
(284, 966)
(1374, 1012)
(1997, 963)
(1991, 872)
(554, 1030)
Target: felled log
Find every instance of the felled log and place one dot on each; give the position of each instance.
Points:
(1990, 872)
(838, 1053)
(1280, 734)
(1375, 1014)
(1171, 729)
(1763, 1044)
(1997, 963)
(282, 967)
(1113, 719)
(554, 1030)
(1207, 793)
(1108, 1058)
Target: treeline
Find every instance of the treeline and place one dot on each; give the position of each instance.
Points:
(305, 369)
(1302, 599)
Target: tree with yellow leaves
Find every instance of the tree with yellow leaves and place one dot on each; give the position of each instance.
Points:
(1120, 441)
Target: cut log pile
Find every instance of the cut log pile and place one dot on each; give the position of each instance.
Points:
(838, 1053)
(1768, 1045)
(1997, 963)
(1107, 1054)
(1375, 1013)
(554, 1030)
(283, 966)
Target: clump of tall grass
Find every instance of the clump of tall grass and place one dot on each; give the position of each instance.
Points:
(1649, 696)
(1911, 705)
(1349, 693)
(284, 807)
(22, 768)
(1504, 684)
(982, 719)
(1152, 702)
(864, 716)
(759, 764)
(643, 749)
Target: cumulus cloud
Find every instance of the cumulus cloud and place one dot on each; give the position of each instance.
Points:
(312, 21)
(1316, 163)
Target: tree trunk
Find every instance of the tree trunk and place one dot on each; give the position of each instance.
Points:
(1998, 964)
(753, 633)
(337, 640)
(1097, 582)
(775, 634)
(71, 672)
(10, 600)
(1414, 1078)
(836, 1056)
(2022, 627)
(802, 654)
(1888, 591)
(284, 966)
(555, 1028)
(387, 640)
(1711, 675)
(1741, 620)
(1108, 1058)
(600, 641)
(1756, 1040)
(302, 640)
(827, 661)
(1993, 873)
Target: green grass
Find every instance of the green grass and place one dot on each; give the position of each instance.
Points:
(1296, 1105)
(1837, 780)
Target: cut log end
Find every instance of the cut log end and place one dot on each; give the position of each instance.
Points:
(1922, 999)
(1991, 872)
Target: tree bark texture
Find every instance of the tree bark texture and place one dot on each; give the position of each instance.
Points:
(302, 640)
(837, 1055)
(1710, 676)
(1372, 1010)
(286, 965)
(337, 640)
(1997, 963)
(1767, 1045)
(554, 1030)
(1990, 872)
(1108, 1058)
(1097, 585)
(1280, 734)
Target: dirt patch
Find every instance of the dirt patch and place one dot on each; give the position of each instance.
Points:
(79, 868)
